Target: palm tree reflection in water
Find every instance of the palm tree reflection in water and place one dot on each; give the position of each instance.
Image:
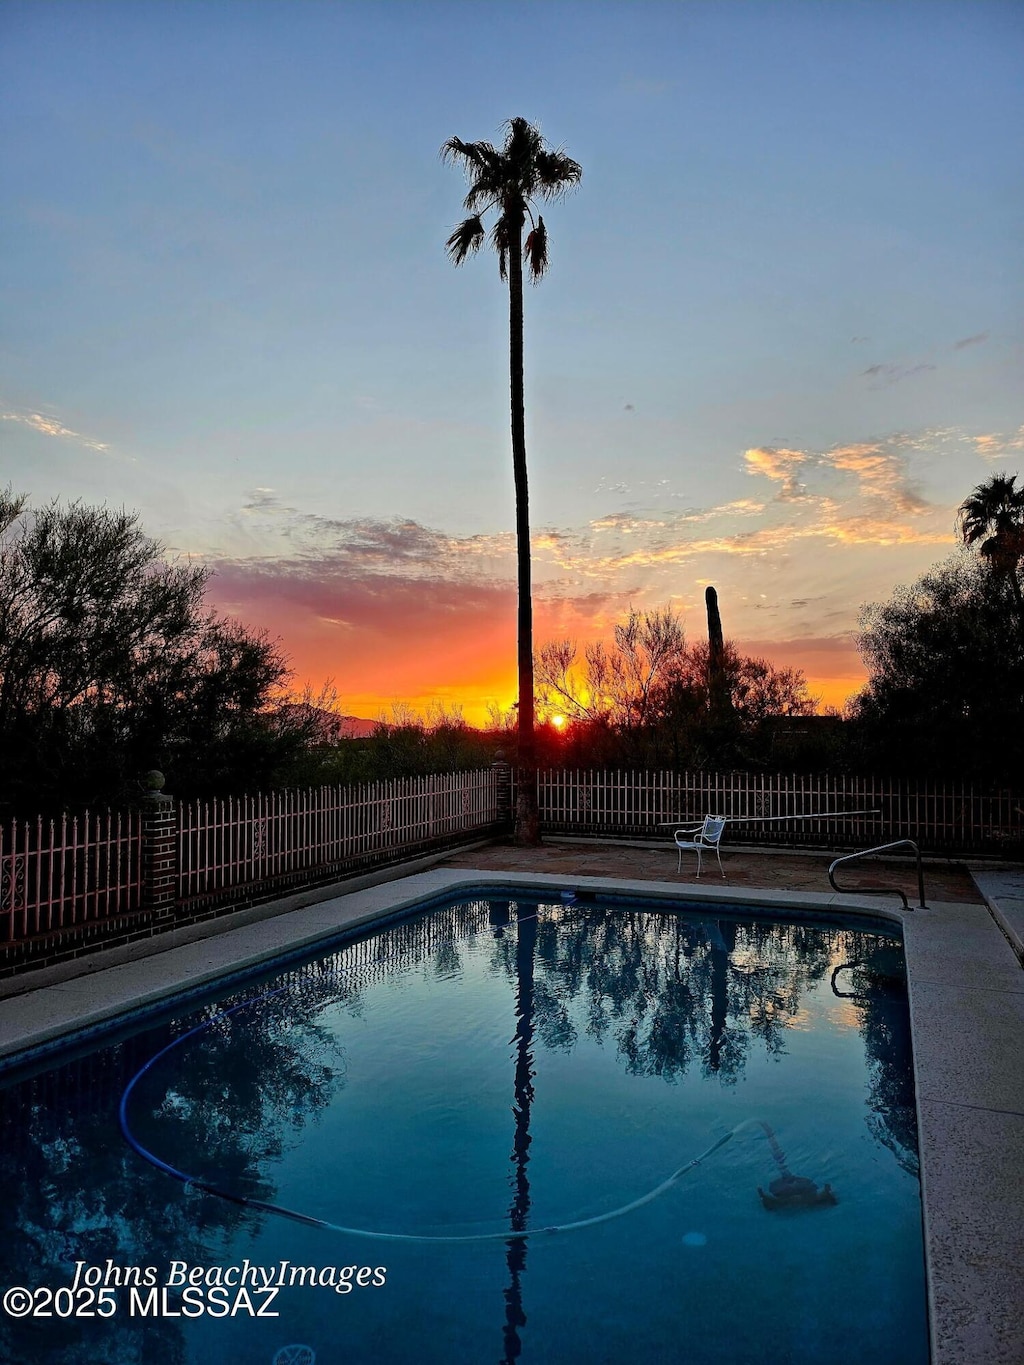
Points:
(519, 1212)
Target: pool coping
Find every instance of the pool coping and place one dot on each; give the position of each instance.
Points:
(966, 991)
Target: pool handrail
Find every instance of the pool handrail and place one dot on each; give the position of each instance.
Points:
(883, 890)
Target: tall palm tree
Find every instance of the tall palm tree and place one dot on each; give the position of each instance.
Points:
(994, 515)
(511, 181)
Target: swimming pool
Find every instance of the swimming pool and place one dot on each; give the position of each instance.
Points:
(466, 1076)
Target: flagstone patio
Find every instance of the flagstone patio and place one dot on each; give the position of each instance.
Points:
(767, 869)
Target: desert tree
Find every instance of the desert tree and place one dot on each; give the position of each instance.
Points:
(621, 685)
(648, 697)
(111, 663)
(945, 684)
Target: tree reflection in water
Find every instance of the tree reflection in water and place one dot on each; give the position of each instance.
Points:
(875, 981)
(74, 1191)
(671, 992)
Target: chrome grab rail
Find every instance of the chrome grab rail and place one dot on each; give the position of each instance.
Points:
(882, 890)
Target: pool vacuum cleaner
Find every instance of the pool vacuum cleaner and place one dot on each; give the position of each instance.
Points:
(791, 1191)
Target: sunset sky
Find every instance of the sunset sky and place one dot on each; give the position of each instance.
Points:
(780, 338)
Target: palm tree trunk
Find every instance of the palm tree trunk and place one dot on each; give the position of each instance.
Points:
(527, 826)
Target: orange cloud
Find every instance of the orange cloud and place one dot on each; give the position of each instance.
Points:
(777, 464)
(377, 635)
(625, 523)
(881, 474)
(383, 638)
(995, 444)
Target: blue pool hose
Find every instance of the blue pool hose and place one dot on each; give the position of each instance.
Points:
(264, 1207)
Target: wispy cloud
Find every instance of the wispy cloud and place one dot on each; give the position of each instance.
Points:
(830, 524)
(814, 505)
(881, 474)
(556, 541)
(739, 507)
(778, 464)
(975, 340)
(883, 508)
(879, 466)
(51, 426)
(271, 530)
(882, 532)
(625, 523)
(993, 445)
(895, 373)
(924, 439)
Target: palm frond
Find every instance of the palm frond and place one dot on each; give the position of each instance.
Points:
(522, 140)
(466, 240)
(535, 250)
(470, 155)
(997, 504)
(482, 165)
(488, 188)
(556, 174)
(523, 145)
(501, 240)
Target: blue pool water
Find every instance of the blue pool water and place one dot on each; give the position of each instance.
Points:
(476, 1074)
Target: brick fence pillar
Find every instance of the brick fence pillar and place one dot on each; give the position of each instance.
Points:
(504, 772)
(159, 848)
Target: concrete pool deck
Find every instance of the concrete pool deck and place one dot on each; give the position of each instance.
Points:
(966, 989)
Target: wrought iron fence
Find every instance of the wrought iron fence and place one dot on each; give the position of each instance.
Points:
(59, 874)
(85, 870)
(784, 808)
(262, 839)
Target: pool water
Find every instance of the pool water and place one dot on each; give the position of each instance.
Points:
(483, 1070)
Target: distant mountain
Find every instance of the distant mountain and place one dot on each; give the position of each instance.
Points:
(353, 727)
(328, 726)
